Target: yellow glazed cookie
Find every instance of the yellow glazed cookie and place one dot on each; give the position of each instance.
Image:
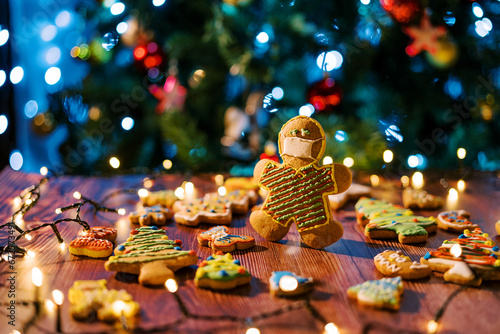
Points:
(394, 263)
(299, 188)
(221, 272)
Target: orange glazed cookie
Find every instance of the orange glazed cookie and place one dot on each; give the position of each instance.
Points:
(299, 188)
(91, 247)
(219, 239)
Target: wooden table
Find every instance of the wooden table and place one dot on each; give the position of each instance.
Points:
(334, 269)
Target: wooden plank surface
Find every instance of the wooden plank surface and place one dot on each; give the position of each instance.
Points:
(334, 269)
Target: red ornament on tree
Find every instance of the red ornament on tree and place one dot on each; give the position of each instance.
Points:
(325, 95)
(402, 11)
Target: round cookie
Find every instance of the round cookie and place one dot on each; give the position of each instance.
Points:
(394, 263)
(299, 188)
(455, 220)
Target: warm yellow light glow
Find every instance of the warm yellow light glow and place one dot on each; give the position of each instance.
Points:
(36, 276)
(456, 250)
(189, 188)
(288, 283)
(171, 285)
(58, 297)
(327, 160)
(28, 236)
(461, 153)
(49, 305)
(77, 195)
(348, 162)
(219, 179)
(222, 191)
(30, 255)
(432, 327)
(330, 328)
(44, 171)
(58, 211)
(461, 185)
(143, 193)
(17, 201)
(388, 156)
(118, 307)
(417, 180)
(405, 181)
(179, 192)
(148, 183)
(167, 164)
(15, 331)
(62, 246)
(453, 194)
(29, 201)
(122, 211)
(374, 180)
(114, 162)
(253, 330)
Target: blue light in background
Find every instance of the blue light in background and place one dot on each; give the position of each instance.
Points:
(53, 55)
(158, 3)
(417, 161)
(477, 10)
(278, 93)
(449, 19)
(31, 108)
(340, 135)
(262, 37)
(453, 87)
(4, 123)
(127, 123)
(63, 19)
(306, 110)
(16, 160)
(52, 75)
(48, 33)
(121, 27)
(16, 75)
(3, 77)
(4, 36)
(328, 61)
(117, 8)
(393, 132)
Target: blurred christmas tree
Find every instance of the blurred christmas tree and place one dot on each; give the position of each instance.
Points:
(206, 85)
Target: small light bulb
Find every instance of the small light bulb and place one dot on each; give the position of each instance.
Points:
(417, 180)
(253, 330)
(77, 195)
(31, 255)
(114, 162)
(17, 201)
(29, 201)
(118, 307)
(44, 171)
(452, 194)
(167, 164)
(58, 297)
(148, 183)
(58, 211)
(28, 236)
(374, 180)
(288, 283)
(461, 185)
(143, 193)
(388, 156)
(330, 328)
(36, 276)
(432, 327)
(171, 285)
(49, 305)
(327, 160)
(222, 191)
(122, 212)
(461, 153)
(62, 246)
(456, 250)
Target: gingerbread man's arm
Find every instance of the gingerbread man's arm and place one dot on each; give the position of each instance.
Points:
(259, 169)
(343, 177)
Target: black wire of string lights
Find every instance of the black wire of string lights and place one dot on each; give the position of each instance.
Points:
(30, 197)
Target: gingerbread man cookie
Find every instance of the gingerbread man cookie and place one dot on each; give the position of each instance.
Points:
(221, 272)
(155, 215)
(383, 293)
(219, 239)
(418, 198)
(394, 263)
(209, 210)
(95, 242)
(467, 260)
(455, 220)
(150, 254)
(299, 188)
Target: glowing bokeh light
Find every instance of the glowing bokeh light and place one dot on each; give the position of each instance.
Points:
(348, 162)
(127, 123)
(30, 108)
(461, 153)
(388, 156)
(63, 19)
(4, 123)
(117, 8)
(306, 110)
(4, 36)
(53, 55)
(121, 27)
(327, 160)
(114, 162)
(328, 61)
(52, 75)
(477, 10)
(262, 37)
(16, 160)
(278, 93)
(340, 135)
(3, 77)
(16, 75)
(48, 32)
(158, 3)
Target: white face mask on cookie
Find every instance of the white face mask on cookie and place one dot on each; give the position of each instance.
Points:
(298, 147)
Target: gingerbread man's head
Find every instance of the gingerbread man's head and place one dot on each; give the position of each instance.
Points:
(301, 141)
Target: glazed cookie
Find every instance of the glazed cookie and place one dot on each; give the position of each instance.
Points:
(457, 221)
(155, 215)
(355, 192)
(286, 283)
(474, 259)
(370, 207)
(299, 188)
(394, 263)
(243, 183)
(239, 200)
(207, 210)
(421, 199)
(165, 198)
(219, 240)
(91, 247)
(384, 293)
(101, 232)
(150, 254)
(221, 272)
(90, 298)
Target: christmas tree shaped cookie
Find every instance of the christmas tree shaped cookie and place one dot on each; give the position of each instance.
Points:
(150, 254)
(468, 260)
(383, 293)
(386, 221)
(299, 187)
(221, 272)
